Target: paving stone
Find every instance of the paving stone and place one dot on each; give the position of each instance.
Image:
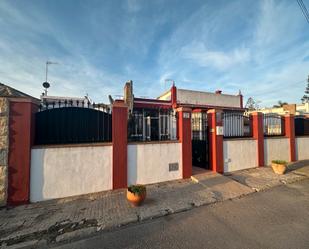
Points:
(66, 219)
(76, 234)
(23, 245)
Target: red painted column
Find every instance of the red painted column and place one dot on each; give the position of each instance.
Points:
(119, 137)
(215, 126)
(290, 133)
(184, 132)
(21, 138)
(174, 96)
(258, 135)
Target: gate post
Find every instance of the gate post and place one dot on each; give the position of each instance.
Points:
(184, 133)
(290, 133)
(258, 135)
(119, 138)
(21, 138)
(215, 124)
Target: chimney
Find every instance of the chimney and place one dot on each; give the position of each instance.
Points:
(128, 94)
(218, 91)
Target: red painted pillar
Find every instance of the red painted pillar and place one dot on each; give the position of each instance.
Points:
(184, 132)
(290, 133)
(241, 101)
(119, 137)
(215, 125)
(258, 135)
(21, 138)
(174, 96)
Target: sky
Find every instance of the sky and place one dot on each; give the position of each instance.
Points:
(259, 47)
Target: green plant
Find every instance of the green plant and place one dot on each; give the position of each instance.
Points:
(279, 162)
(137, 189)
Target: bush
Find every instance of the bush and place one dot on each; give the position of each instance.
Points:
(137, 189)
(279, 162)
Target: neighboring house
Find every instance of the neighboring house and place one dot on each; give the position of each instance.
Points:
(148, 116)
(296, 109)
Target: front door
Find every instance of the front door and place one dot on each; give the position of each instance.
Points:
(200, 157)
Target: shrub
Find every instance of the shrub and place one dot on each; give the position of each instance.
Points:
(137, 189)
(279, 161)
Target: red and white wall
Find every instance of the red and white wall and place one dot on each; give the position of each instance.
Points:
(48, 172)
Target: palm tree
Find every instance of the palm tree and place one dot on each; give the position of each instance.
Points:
(280, 104)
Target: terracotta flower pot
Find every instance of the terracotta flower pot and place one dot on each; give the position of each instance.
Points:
(278, 168)
(136, 199)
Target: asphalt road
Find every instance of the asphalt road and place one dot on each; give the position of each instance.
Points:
(277, 218)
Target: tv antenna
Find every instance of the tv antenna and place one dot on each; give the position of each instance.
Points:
(45, 84)
(168, 80)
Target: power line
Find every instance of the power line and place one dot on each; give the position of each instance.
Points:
(303, 9)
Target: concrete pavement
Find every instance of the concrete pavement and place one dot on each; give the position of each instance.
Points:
(277, 218)
(67, 219)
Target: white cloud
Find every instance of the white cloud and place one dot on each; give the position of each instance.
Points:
(201, 56)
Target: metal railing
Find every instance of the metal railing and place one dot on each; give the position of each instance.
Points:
(273, 124)
(301, 126)
(152, 125)
(237, 124)
(69, 122)
(199, 126)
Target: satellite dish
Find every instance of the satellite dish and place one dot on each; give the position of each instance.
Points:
(46, 84)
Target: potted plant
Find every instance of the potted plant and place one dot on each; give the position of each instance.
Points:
(279, 166)
(136, 194)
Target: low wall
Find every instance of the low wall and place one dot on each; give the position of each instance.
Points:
(150, 162)
(58, 172)
(276, 148)
(239, 153)
(302, 148)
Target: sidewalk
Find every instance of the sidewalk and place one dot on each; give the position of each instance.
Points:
(45, 223)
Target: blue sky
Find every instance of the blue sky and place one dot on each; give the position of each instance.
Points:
(260, 47)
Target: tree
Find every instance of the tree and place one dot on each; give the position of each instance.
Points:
(251, 104)
(305, 98)
(280, 104)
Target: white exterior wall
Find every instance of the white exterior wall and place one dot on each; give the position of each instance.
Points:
(239, 154)
(69, 171)
(149, 162)
(205, 98)
(276, 149)
(302, 148)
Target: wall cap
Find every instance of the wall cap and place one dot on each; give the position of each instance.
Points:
(71, 145)
(183, 109)
(154, 142)
(119, 103)
(214, 111)
(257, 113)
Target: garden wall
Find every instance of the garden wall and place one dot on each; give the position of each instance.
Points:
(276, 148)
(239, 153)
(302, 148)
(151, 162)
(58, 172)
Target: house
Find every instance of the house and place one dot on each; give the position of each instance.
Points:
(295, 109)
(154, 119)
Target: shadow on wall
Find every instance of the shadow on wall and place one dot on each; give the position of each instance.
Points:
(132, 164)
(37, 176)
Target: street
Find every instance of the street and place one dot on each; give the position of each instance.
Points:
(277, 218)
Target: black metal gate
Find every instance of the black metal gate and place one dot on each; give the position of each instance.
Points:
(200, 155)
(72, 124)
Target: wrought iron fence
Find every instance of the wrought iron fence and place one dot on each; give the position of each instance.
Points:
(152, 125)
(301, 126)
(237, 124)
(66, 122)
(273, 124)
(199, 126)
